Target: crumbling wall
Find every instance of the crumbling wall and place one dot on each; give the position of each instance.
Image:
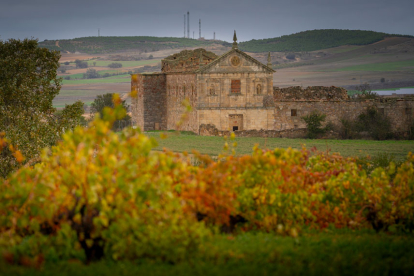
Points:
(182, 86)
(310, 93)
(288, 114)
(187, 60)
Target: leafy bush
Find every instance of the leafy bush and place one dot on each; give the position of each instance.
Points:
(314, 124)
(378, 125)
(290, 56)
(115, 65)
(105, 100)
(81, 64)
(91, 74)
(99, 194)
(66, 63)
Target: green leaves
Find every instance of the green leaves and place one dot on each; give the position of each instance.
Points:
(28, 84)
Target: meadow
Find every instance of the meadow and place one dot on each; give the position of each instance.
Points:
(213, 145)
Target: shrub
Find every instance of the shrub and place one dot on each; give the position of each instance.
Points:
(91, 74)
(314, 124)
(67, 78)
(382, 80)
(378, 125)
(115, 65)
(120, 205)
(81, 64)
(66, 63)
(100, 194)
(291, 56)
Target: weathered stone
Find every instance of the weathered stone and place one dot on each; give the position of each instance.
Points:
(234, 92)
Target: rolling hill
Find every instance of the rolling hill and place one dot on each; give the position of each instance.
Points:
(300, 42)
(314, 40)
(114, 44)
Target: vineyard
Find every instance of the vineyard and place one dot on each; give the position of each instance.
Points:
(105, 196)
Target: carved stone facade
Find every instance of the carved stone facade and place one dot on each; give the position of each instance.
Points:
(234, 92)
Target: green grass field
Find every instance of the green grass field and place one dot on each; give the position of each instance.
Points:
(213, 145)
(384, 66)
(330, 253)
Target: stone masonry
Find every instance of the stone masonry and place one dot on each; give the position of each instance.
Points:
(234, 92)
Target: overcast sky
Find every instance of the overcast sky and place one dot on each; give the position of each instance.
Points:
(253, 19)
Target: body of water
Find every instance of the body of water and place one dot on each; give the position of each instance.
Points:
(396, 91)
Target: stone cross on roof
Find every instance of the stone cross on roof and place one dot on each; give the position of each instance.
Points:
(234, 40)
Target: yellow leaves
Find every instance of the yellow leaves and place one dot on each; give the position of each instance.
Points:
(77, 218)
(19, 156)
(134, 93)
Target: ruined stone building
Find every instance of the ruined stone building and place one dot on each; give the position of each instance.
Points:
(234, 92)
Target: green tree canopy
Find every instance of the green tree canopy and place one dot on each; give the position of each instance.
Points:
(28, 85)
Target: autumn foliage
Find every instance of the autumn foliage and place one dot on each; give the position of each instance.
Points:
(99, 194)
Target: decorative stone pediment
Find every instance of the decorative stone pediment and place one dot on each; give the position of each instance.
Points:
(235, 61)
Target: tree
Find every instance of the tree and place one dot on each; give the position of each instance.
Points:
(91, 74)
(28, 85)
(102, 101)
(81, 64)
(365, 92)
(115, 65)
(314, 124)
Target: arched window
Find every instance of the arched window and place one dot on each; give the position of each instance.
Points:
(192, 90)
(258, 89)
(212, 91)
(184, 90)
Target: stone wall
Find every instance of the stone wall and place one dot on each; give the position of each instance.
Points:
(149, 108)
(288, 113)
(137, 103)
(310, 93)
(180, 87)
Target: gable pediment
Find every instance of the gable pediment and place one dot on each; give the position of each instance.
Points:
(235, 61)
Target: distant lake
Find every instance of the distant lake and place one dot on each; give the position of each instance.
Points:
(396, 91)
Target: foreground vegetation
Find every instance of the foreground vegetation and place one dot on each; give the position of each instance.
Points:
(332, 252)
(128, 203)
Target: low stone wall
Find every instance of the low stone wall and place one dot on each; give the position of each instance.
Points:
(211, 130)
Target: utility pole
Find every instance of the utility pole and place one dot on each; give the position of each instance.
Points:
(188, 24)
(184, 25)
(99, 32)
(199, 28)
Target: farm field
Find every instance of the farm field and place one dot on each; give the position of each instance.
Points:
(346, 252)
(212, 145)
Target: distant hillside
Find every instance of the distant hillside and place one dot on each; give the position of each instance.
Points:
(111, 44)
(313, 40)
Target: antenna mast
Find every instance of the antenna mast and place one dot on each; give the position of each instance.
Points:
(188, 24)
